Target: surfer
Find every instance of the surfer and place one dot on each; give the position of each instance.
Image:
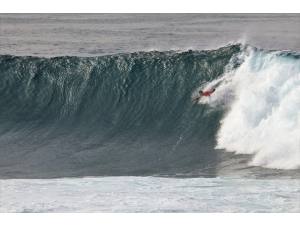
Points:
(204, 93)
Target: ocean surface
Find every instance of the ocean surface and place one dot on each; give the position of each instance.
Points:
(97, 113)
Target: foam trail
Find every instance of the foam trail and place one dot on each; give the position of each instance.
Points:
(264, 117)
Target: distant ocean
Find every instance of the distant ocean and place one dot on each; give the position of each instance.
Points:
(97, 113)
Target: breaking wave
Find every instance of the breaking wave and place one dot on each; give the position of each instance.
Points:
(264, 117)
(132, 114)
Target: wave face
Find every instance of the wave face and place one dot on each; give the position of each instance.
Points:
(132, 114)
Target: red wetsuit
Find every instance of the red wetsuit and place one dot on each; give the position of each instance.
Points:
(207, 93)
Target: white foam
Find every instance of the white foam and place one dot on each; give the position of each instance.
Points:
(149, 194)
(263, 118)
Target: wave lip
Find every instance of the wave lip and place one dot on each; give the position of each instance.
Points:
(264, 117)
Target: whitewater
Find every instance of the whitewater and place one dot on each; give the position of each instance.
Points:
(263, 118)
(149, 194)
(97, 113)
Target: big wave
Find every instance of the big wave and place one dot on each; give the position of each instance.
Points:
(132, 114)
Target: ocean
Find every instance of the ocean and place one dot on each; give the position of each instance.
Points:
(97, 113)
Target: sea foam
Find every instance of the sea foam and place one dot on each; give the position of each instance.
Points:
(263, 116)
